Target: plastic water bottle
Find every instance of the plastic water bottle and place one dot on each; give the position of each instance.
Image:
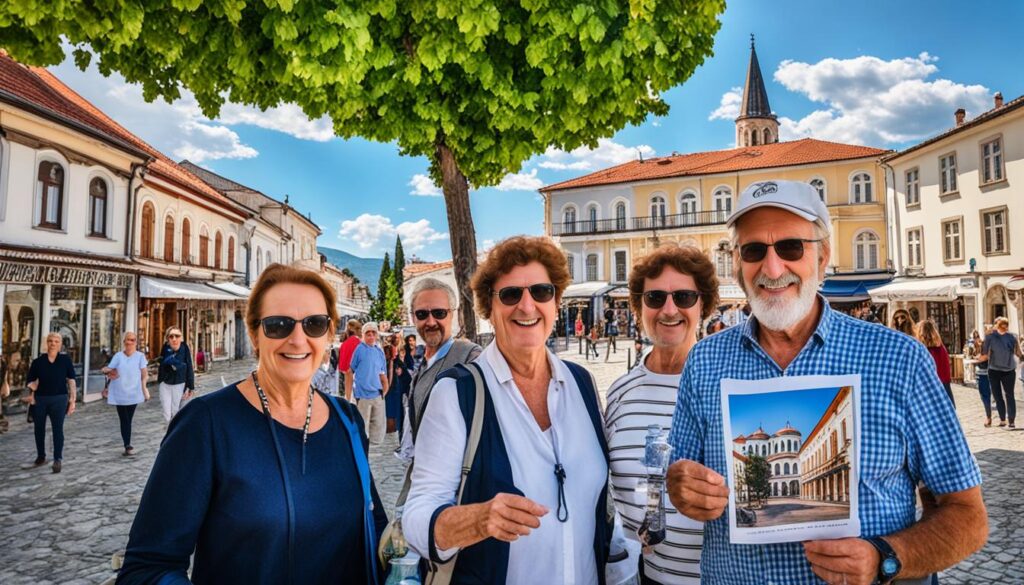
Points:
(396, 547)
(652, 529)
(404, 570)
(653, 432)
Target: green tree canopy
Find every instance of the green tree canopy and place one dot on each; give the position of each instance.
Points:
(378, 308)
(757, 477)
(399, 269)
(477, 86)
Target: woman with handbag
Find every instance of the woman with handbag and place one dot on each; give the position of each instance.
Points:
(176, 376)
(240, 476)
(532, 505)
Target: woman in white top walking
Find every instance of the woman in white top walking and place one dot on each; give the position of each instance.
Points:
(673, 289)
(127, 375)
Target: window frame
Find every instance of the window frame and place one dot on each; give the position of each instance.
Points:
(867, 186)
(919, 230)
(218, 249)
(876, 243)
(948, 177)
(186, 241)
(169, 237)
(597, 267)
(983, 161)
(615, 266)
(687, 196)
(43, 195)
(147, 247)
(717, 196)
(823, 192)
(959, 222)
(1006, 232)
(569, 226)
(912, 186)
(104, 231)
(231, 253)
(661, 201)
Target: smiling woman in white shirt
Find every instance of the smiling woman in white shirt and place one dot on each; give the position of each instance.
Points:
(533, 509)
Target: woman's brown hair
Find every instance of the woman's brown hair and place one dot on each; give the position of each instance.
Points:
(928, 333)
(276, 274)
(686, 260)
(518, 251)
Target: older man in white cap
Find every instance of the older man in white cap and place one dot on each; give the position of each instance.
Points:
(367, 380)
(909, 433)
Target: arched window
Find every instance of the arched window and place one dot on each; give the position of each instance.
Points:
(231, 253)
(592, 218)
(687, 204)
(51, 194)
(569, 220)
(785, 468)
(723, 260)
(794, 468)
(819, 186)
(259, 260)
(98, 207)
(204, 247)
(148, 227)
(775, 489)
(186, 241)
(218, 249)
(591, 267)
(767, 136)
(722, 198)
(269, 259)
(570, 262)
(169, 239)
(620, 216)
(865, 250)
(658, 210)
(753, 138)
(860, 188)
(776, 469)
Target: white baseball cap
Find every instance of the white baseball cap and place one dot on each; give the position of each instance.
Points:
(793, 196)
(370, 326)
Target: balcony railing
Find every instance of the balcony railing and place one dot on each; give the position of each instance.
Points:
(633, 224)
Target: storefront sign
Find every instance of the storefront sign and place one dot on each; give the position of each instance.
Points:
(34, 274)
(968, 282)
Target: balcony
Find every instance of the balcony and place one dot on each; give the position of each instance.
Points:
(637, 224)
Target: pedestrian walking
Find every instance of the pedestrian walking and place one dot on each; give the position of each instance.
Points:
(592, 339)
(353, 336)
(910, 435)
(52, 393)
(1002, 350)
(176, 375)
(515, 521)
(127, 373)
(902, 322)
(611, 331)
(239, 482)
(928, 334)
(401, 377)
(673, 289)
(367, 381)
(981, 373)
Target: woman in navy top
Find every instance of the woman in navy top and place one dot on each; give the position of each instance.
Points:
(266, 481)
(51, 382)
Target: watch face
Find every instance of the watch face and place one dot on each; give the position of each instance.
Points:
(890, 566)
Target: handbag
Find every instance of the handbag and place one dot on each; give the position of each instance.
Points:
(442, 574)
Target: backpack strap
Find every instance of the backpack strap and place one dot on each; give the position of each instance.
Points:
(585, 382)
(363, 465)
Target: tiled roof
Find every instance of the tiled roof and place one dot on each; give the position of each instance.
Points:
(781, 154)
(41, 88)
(1006, 108)
(425, 267)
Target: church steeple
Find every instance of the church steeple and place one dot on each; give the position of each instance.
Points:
(756, 123)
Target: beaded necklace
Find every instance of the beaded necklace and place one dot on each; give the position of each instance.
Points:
(305, 426)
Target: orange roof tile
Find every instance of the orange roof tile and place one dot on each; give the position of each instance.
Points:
(425, 267)
(781, 154)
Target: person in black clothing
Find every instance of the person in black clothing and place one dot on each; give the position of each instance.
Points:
(176, 376)
(52, 391)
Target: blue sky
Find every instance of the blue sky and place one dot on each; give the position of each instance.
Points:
(771, 411)
(883, 74)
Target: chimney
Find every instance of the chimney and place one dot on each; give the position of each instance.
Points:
(959, 114)
(999, 99)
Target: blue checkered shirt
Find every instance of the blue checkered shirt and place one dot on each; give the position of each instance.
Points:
(910, 432)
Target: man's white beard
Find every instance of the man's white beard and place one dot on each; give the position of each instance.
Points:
(781, 314)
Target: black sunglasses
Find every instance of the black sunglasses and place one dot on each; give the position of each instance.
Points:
(511, 295)
(422, 314)
(684, 299)
(790, 249)
(279, 327)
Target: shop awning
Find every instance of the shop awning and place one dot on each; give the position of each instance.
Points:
(584, 290)
(920, 289)
(1016, 283)
(161, 288)
(235, 289)
(850, 291)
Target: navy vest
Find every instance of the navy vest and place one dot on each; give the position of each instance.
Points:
(486, 562)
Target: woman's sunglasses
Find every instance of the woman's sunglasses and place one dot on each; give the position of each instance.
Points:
(684, 299)
(279, 327)
(422, 314)
(790, 249)
(511, 295)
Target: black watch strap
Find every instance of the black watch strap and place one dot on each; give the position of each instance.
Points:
(887, 571)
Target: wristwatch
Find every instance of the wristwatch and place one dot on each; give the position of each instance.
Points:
(889, 566)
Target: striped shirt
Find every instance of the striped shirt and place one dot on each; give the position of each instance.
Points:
(909, 432)
(638, 399)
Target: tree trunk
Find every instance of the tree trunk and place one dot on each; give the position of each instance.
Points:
(461, 232)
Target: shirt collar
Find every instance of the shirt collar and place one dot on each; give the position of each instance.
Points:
(503, 374)
(748, 328)
(441, 352)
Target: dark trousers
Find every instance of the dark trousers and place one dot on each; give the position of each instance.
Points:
(986, 394)
(125, 412)
(53, 408)
(949, 392)
(1002, 390)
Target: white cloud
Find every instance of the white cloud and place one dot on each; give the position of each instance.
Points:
(729, 106)
(424, 186)
(401, 209)
(607, 154)
(486, 245)
(520, 182)
(203, 142)
(287, 118)
(368, 230)
(872, 101)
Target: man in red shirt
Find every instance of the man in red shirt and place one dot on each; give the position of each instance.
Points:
(348, 347)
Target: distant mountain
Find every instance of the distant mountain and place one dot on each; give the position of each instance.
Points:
(367, 270)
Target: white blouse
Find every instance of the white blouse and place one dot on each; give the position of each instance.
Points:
(556, 552)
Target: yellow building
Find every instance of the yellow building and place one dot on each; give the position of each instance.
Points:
(606, 219)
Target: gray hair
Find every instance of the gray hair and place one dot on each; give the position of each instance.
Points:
(127, 333)
(429, 283)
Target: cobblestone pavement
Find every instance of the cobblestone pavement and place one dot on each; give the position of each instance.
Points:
(64, 528)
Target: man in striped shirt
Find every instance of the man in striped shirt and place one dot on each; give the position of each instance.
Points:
(672, 290)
